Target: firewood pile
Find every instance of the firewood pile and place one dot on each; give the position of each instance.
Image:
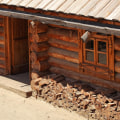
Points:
(91, 101)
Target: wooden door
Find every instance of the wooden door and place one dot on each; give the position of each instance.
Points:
(19, 40)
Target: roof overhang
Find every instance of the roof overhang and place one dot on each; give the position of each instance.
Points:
(72, 23)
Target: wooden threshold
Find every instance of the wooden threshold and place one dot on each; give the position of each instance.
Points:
(18, 87)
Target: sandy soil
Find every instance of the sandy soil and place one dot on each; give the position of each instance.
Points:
(15, 107)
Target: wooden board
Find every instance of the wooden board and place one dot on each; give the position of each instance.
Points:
(19, 44)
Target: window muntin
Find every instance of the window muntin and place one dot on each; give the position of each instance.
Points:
(96, 52)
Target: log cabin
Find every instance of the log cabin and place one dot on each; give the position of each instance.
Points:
(79, 39)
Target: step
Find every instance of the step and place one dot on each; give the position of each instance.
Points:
(18, 87)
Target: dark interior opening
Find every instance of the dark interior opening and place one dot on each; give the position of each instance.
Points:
(19, 50)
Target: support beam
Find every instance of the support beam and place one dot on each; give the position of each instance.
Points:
(72, 23)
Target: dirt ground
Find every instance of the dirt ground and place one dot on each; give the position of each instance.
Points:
(15, 107)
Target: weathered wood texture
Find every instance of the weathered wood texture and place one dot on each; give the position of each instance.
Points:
(63, 51)
(117, 59)
(3, 45)
(78, 76)
(19, 45)
(38, 49)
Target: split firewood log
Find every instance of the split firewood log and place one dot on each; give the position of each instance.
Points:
(35, 84)
(43, 82)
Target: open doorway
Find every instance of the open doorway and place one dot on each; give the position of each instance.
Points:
(19, 49)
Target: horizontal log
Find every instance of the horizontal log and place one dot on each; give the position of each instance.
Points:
(63, 52)
(117, 77)
(40, 66)
(117, 44)
(41, 37)
(117, 67)
(2, 58)
(2, 70)
(2, 66)
(39, 47)
(67, 39)
(2, 54)
(41, 56)
(117, 56)
(36, 74)
(41, 28)
(86, 78)
(64, 45)
(67, 58)
(63, 34)
(63, 64)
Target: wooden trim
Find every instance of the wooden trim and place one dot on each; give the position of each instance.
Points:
(84, 50)
(8, 45)
(30, 71)
(107, 53)
(92, 26)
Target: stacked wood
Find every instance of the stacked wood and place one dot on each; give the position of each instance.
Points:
(40, 66)
(38, 49)
(36, 74)
(38, 56)
(93, 101)
(39, 37)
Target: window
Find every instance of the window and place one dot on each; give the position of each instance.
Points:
(96, 52)
(97, 56)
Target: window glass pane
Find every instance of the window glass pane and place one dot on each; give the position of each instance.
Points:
(102, 46)
(90, 45)
(90, 56)
(102, 58)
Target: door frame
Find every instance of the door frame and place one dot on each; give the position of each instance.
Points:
(10, 42)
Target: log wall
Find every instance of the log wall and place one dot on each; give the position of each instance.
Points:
(64, 49)
(38, 45)
(57, 48)
(117, 59)
(3, 45)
